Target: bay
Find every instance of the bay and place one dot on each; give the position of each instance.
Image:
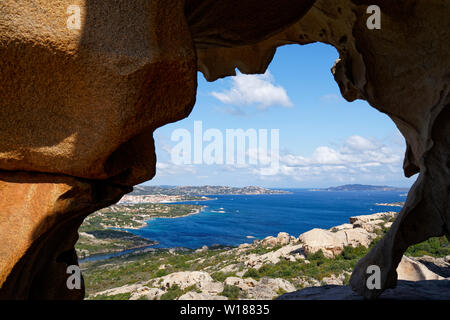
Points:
(236, 219)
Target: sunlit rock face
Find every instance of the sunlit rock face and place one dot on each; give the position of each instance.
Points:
(78, 107)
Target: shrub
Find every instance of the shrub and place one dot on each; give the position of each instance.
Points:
(221, 276)
(119, 296)
(435, 247)
(161, 273)
(232, 292)
(251, 273)
(192, 288)
(172, 293)
(351, 253)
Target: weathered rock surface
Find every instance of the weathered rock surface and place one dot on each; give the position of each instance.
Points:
(267, 288)
(80, 107)
(409, 269)
(39, 218)
(381, 67)
(192, 295)
(332, 243)
(147, 293)
(243, 284)
(290, 252)
(440, 266)
(201, 279)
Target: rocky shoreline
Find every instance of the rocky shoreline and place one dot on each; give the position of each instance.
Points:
(104, 232)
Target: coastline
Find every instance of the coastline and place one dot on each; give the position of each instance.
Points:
(141, 224)
(262, 269)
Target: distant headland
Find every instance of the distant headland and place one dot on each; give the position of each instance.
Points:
(202, 190)
(361, 187)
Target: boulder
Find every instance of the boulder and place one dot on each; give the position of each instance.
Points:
(185, 279)
(269, 241)
(267, 288)
(289, 252)
(333, 243)
(373, 218)
(344, 226)
(243, 284)
(411, 270)
(147, 293)
(283, 238)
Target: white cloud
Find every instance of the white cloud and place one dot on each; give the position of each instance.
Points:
(356, 157)
(254, 89)
(360, 144)
(169, 168)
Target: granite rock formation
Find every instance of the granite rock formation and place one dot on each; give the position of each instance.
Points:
(78, 107)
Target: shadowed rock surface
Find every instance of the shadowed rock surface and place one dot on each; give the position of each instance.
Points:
(78, 107)
(405, 290)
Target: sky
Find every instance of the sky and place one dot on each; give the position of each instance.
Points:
(323, 140)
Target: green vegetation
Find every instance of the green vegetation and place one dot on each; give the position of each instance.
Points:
(141, 267)
(318, 267)
(120, 296)
(172, 293)
(119, 271)
(98, 237)
(221, 276)
(231, 292)
(106, 241)
(135, 215)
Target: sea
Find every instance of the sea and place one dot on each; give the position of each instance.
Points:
(231, 220)
(236, 219)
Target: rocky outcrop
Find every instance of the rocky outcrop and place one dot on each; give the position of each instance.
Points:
(39, 220)
(409, 269)
(361, 231)
(183, 280)
(78, 107)
(383, 67)
(77, 113)
(332, 243)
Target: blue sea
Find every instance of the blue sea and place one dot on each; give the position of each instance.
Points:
(233, 219)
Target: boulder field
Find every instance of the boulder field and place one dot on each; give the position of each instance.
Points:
(78, 107)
